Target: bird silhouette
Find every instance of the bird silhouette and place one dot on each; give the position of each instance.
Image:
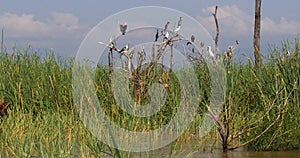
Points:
(179, 22)
(166, 26)
(156, 36)
(193, 38)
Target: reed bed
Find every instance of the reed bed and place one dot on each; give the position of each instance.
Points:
(43, 120)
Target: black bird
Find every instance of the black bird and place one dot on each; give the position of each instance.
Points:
(124, 49)
(179, 22)
(123, 28)
(193, 38)
(166, 26)
(156, 36)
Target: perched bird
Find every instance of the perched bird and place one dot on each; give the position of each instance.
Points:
(167, 35)
(123, 28)
(177, 29)
(124, 49)
(111, 44)
(156, 36)
(166, 26)
(210, 52)
(232, 48)
(193, 38)
(179, 22)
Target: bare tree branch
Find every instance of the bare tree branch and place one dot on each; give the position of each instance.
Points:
(217, 29)
(258, 136)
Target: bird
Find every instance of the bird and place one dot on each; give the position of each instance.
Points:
(156, 36)
(210, 52)
(124, 49)
(193, 38)
(177, 29)
(111, 44)
(178, 25)
(179, 22)
(232, 48)
(167, 35)
(166, 26)
(123, 28)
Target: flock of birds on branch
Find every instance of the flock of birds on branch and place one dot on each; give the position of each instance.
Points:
(167, 39)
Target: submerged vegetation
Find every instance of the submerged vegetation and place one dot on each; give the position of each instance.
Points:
(42, 119)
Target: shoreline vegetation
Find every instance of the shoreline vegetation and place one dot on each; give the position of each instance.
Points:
(42, 119)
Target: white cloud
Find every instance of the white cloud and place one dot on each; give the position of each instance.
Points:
(234, 21)
(283, 27)
(27, 26)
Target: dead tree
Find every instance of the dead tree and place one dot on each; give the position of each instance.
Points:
(217, 29)
(2, 40)
(256, 39)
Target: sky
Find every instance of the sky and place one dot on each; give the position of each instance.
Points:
(61, 25)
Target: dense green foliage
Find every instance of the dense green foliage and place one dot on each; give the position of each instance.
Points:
(43, 120)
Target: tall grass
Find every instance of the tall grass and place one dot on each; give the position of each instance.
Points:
(43, 120)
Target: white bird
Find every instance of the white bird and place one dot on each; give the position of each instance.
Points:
(177, 29)
(111, 44)
(210, 52)
(123, 28)
(167, 35)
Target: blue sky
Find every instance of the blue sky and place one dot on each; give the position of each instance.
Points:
(61, 25)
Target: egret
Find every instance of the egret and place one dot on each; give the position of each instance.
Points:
(123, 28)
(167, 35)
(210, 52)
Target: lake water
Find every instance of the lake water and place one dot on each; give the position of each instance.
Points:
(230, 154)
(188, 150)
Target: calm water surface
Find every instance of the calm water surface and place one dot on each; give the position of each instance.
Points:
(189, 150)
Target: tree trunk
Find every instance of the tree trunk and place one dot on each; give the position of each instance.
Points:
(2, 40)
(256, 41)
